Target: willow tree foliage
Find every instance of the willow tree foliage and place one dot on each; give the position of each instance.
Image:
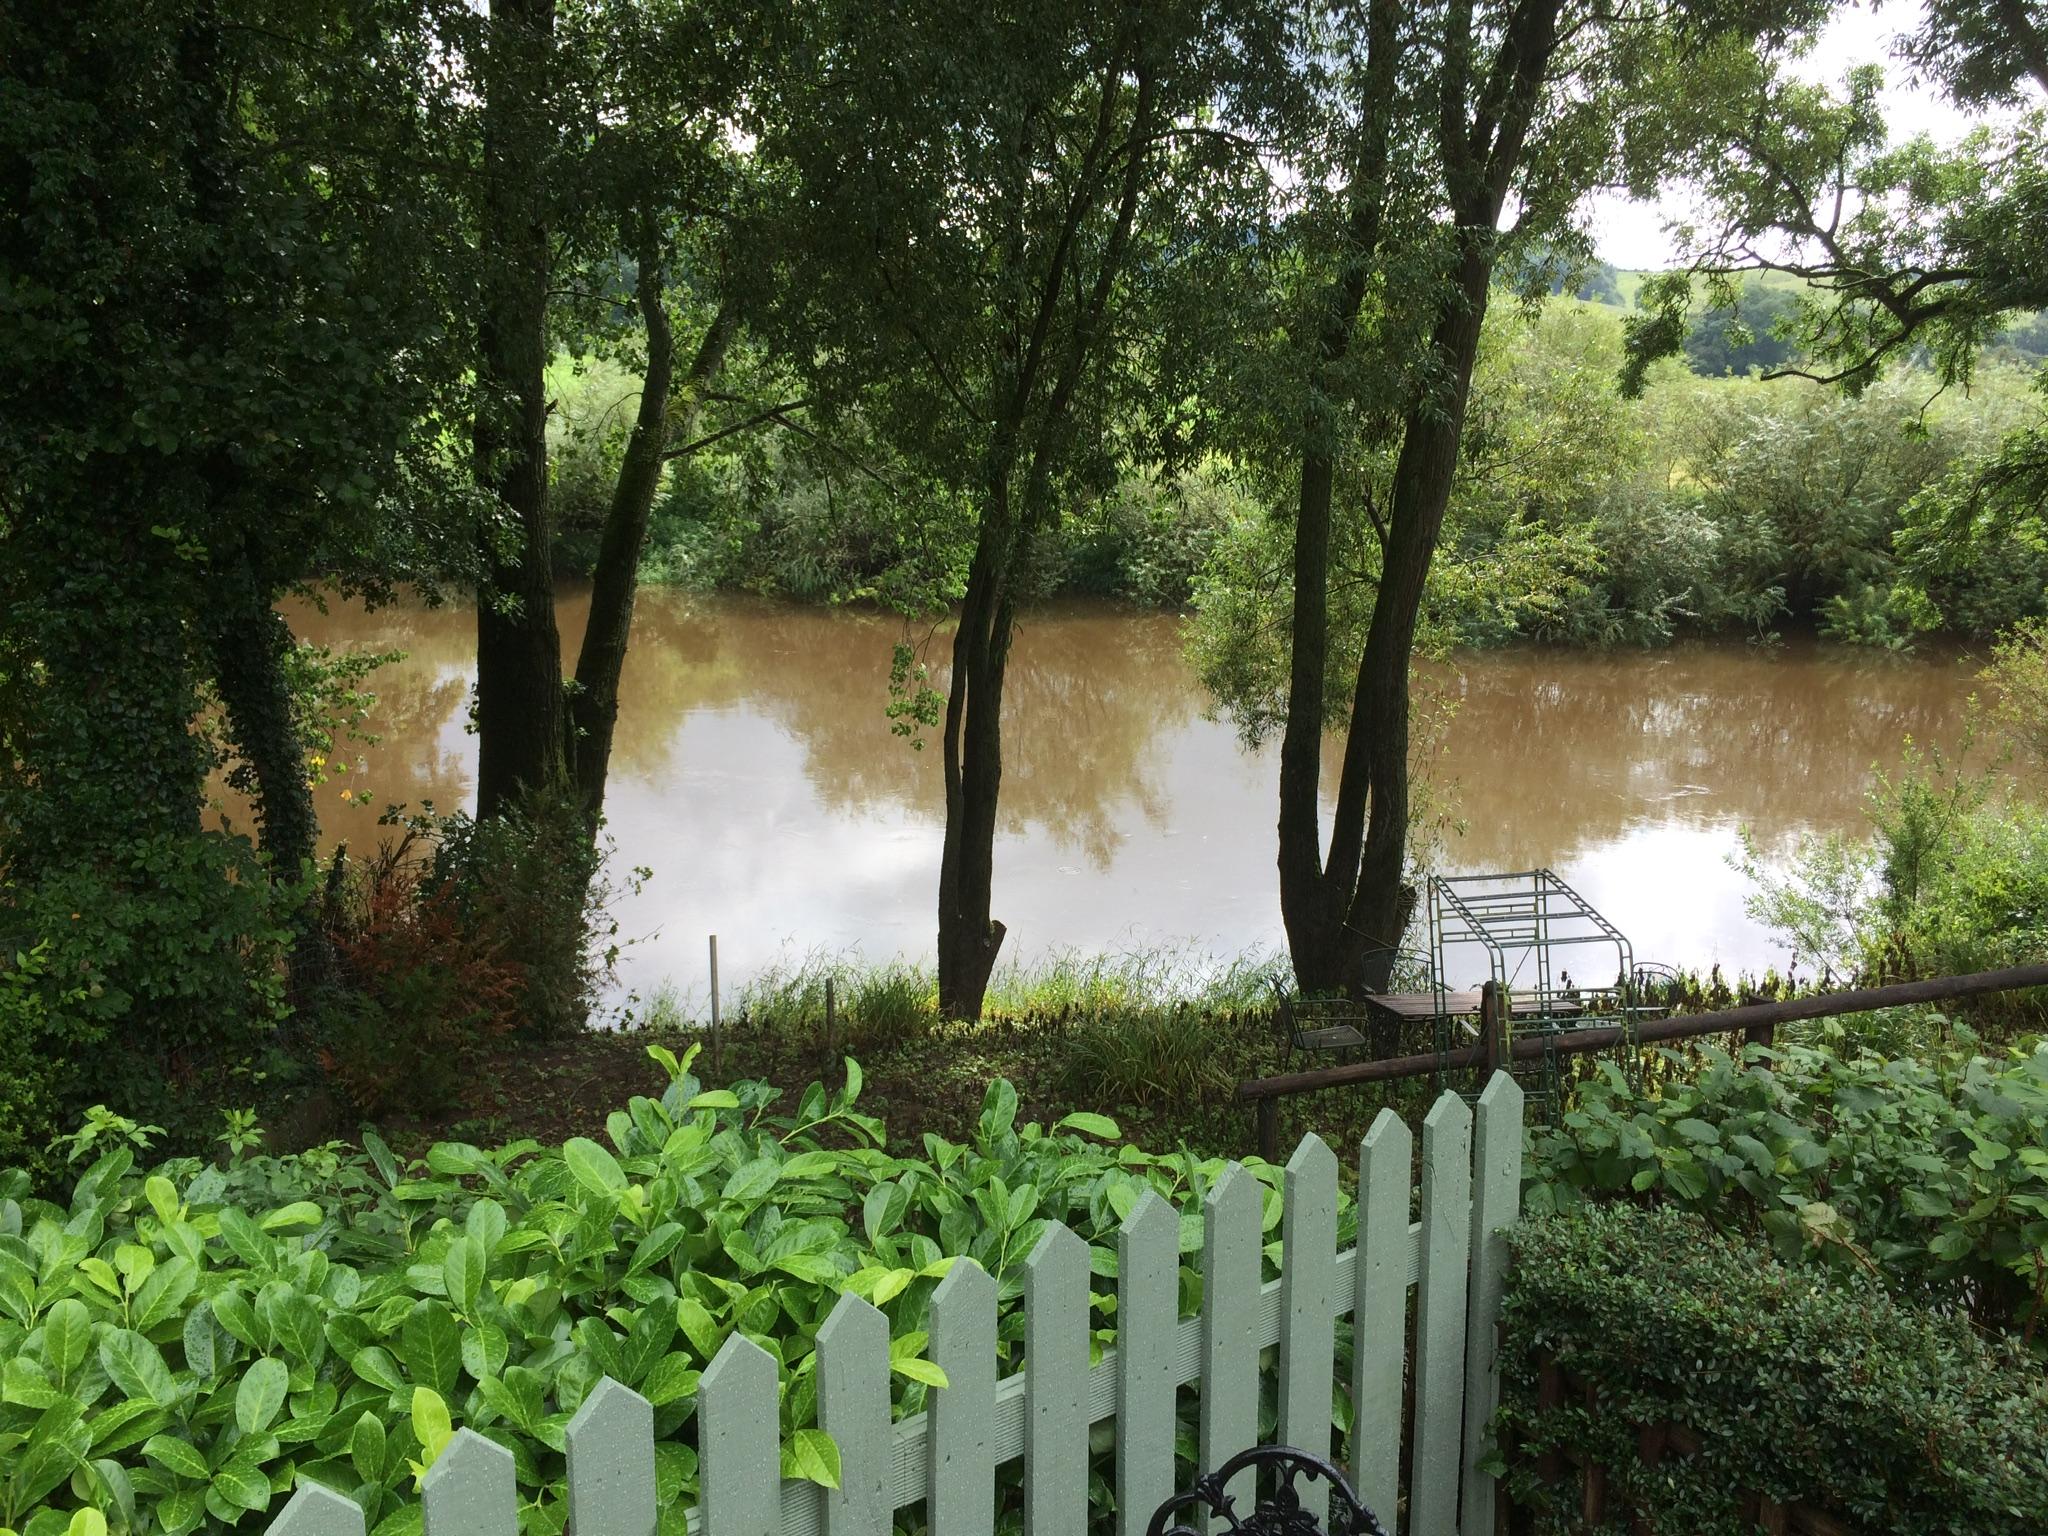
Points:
(983, 203)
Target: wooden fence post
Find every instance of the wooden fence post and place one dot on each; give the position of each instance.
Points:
(1269, 1130)
(1493, 1031)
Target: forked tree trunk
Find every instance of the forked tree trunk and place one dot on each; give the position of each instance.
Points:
(1347, 909)
(520, 710)
(594, 708)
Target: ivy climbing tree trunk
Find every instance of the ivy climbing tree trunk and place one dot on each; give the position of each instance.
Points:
(248, 643)
(521, 722)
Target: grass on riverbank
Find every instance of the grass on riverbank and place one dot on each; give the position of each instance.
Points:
(1159, 1040)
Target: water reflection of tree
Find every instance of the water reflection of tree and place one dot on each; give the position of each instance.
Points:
(1089, 696)
(421, 753)
(1551, 752)
(1092, 693)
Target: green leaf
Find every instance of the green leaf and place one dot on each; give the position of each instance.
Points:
(593, 1167)
(1091, 1124)
(67, 1336)
(376, 1366)
(673, 1378)
(242, 1488)
(752, 1180)
(245, 1237)
(164, 1292)
(431, 1346)
(137, 1367)
(232, 1311)
(300, 1213)
(812, 1456)
(261, 1395)
(366, 1448)
(431, 1425)
(920, 1370)
(176, 1456)
(998, 1110)
(462, 1270)
(162, 1196)
(717, 1098)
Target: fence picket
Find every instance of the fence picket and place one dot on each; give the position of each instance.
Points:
(1057, 1322)
(1230, 1344)
(471, 1489)
(1147, 1309)
(1308, 1286)
(1379, 1324)
(1440, 1317)
(611, 1464)
(317, 1510)
(739, 1443)
(853, 1408)
(1496, 1202)
(949, 1455)
(962, 1490)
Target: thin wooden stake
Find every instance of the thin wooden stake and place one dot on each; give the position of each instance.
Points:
(717, 1035)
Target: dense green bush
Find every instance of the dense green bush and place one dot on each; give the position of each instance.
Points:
(179, 1348)
(1802, 1385)
(149, 976)
(1932, 1173)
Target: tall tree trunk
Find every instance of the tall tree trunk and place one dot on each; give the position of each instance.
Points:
(969, 938)
(594, 708)
(1314, 909)
(1360, 901)
(520, 710)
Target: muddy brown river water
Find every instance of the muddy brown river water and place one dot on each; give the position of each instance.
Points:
(756, 776)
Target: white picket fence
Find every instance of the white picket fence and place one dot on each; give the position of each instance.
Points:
(1454, 1258)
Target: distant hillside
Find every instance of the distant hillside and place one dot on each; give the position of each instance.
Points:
(1766, 296)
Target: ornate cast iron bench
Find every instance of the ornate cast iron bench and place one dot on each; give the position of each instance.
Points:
(1278, 1511)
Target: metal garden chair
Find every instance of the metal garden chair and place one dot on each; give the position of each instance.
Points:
(1276, 1512)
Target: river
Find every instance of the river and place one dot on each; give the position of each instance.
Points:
(756, 777)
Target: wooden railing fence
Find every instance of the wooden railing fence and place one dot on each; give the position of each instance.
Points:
(1453, 1261)
(1499, 1048)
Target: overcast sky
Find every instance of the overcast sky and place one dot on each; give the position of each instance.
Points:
(1629, 233)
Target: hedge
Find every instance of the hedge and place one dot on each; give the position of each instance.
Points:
(182, 1346)
(1802, 1385)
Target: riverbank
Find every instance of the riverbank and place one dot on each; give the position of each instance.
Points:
(1154, 1044)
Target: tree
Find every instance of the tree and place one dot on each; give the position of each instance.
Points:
(217, 358)
(977, 197)
(1907, 251)
(603, 146)
(521, 712)
(1436, 124)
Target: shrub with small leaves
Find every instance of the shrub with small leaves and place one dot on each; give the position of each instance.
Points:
(1803, 1385)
